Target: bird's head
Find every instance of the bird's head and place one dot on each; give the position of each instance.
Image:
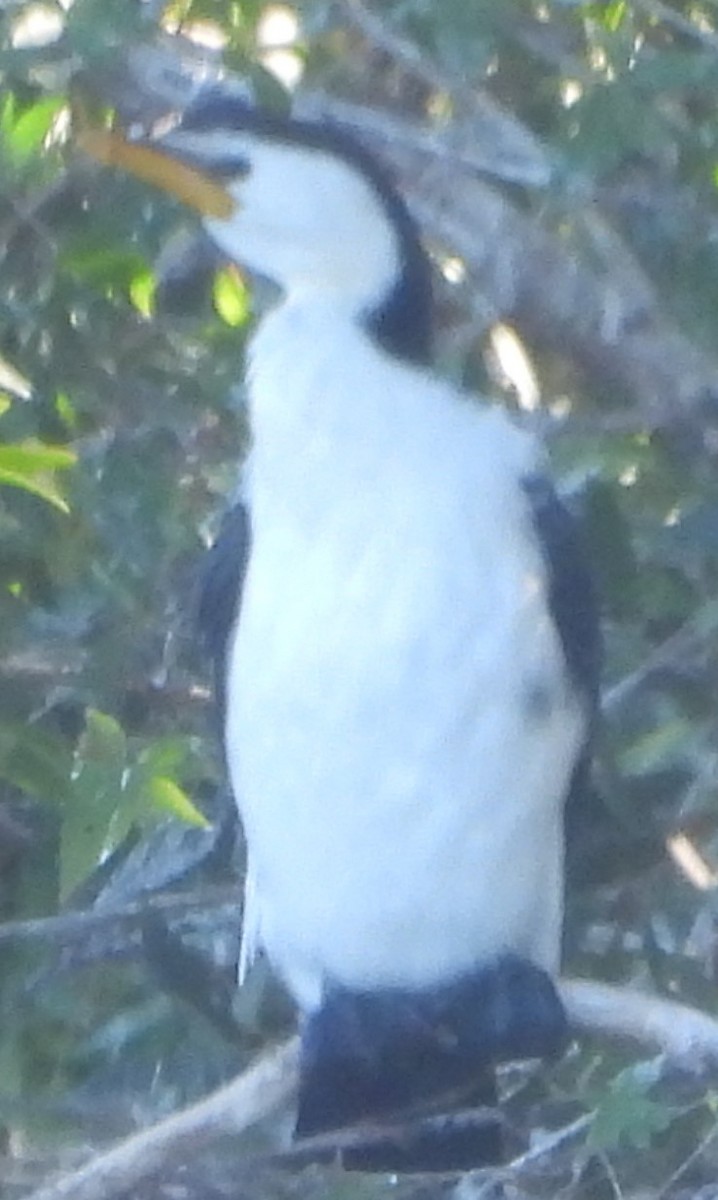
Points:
(297, 202)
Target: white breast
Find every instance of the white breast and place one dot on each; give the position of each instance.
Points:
(400, 729)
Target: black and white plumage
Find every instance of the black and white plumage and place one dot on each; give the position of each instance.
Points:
(408, 654)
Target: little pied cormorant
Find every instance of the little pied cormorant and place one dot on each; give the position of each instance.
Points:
(406, 646)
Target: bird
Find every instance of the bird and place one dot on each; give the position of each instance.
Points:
(407, 652)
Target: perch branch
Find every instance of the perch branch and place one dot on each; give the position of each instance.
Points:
(73, 926)
(684, 1035)
(258, 1091)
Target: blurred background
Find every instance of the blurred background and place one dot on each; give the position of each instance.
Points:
(562, 161)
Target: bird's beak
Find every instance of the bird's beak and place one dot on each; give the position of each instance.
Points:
(154, 165)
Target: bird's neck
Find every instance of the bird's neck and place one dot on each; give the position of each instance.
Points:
(326, 404)
(311, 366)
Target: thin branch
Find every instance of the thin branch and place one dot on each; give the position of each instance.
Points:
(686, 1036)
(553, 1142)
(77, 925)
(676, 649)
(487, 139)
(688, 1163)
(665, 15)
(329, 1147)
(405, 52)
(267, 1084)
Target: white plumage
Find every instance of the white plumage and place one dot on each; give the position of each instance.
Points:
(400, 793)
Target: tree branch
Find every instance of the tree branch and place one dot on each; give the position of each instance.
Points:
(686, 1036)
(266, 1085)
(71, 926)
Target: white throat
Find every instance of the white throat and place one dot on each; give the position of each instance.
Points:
(311, 224)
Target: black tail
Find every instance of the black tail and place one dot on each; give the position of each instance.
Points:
(398, 1064)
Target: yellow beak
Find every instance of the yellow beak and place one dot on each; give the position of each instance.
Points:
(150, 163)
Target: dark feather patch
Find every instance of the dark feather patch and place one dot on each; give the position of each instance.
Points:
(397, 1053)
(221, 592)
(572, 597)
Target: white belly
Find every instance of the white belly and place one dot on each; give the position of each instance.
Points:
(400, 736)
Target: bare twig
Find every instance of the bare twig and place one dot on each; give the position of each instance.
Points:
(686, 1036)
(665, 15)
(508, 149)
(73, 925)
(27, 212)
(688, 1163)
(676, 649)
(328, 1147)
(261, 1089)
(554, 1141)
(402, 50)
(486, 143)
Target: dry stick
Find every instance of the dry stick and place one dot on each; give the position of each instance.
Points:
(684, 1035)
(494, 131)
(267, 1084)
(71, 926)
(402, 50)
(664, 14)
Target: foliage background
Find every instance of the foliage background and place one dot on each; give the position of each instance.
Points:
(593, 131)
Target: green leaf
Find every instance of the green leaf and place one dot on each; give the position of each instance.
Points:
(31, 465)
(32, 127)
(45, 489)
(103, 740)
(103, 264)
(65, 410)
(142, 292)
(35, 761)
(97, 790)
(30, 456)
(625, 1112)
(660, 747)
(167, 795)
(164, 756)
(231, 297)
(610, 15)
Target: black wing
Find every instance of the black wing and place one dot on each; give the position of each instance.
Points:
(600, 836)
(221, 592)
(572, 597)
(574, 608)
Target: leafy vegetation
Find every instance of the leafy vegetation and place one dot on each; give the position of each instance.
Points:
(121, 430)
